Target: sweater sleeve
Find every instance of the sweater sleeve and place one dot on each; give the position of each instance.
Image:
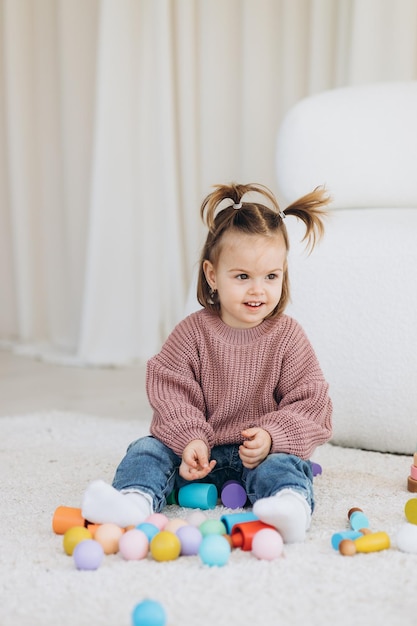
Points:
(303, 419)
(175, 394)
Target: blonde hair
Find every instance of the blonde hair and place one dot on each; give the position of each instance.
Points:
(224, 210)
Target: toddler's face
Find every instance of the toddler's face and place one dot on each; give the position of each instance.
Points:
(248, 277)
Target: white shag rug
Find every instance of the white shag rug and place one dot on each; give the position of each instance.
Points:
(48, 459)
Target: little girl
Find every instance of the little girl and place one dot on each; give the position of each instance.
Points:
(236, 390)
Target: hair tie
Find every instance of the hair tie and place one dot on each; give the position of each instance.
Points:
(282, 215)
(237, 206)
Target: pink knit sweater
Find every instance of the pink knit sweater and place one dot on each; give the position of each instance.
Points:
(211, 381)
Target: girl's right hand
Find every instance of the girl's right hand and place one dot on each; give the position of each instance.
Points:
(195, 463)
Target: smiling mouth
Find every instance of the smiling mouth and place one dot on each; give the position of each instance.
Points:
(254, 305)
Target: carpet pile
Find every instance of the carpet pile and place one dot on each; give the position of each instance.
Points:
(47, 459)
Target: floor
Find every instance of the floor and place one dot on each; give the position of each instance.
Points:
(28, 385)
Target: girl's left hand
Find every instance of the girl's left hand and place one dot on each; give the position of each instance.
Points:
(255, 447)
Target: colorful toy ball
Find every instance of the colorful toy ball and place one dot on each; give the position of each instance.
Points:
(214, 550)
(174, 524)
(109, 536)
(134, 545)
(407, 538)
(196, 517)
(149, 529)
(165, 546)
(88, 554)
(267, 544)
(149, 613)
(73, 536)
(212, 527)
(157, 519)
(190, 538)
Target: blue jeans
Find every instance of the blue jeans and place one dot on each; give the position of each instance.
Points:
(152, 468)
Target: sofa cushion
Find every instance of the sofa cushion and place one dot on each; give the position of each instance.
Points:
(361, 142)
(356, 297)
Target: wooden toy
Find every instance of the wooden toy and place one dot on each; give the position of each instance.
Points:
(410, 510)
(357, 519)
(412, 479)
(371, 542)
(344, 534)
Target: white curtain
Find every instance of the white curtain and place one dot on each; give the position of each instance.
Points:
(117, 117)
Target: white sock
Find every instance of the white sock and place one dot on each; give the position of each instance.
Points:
(102, 504)
(288, 511)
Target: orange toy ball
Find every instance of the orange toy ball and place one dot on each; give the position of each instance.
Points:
(174, 524)
(108, 535)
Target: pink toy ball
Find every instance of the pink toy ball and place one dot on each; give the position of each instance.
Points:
(196, 517)
(267, 544)
(88, 555)
(134, 545)
(190, 538)
(158, 519)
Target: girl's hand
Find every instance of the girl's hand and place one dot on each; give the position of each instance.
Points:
(255, 447)
(195, 462)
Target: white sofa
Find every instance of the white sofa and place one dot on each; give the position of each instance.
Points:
(356, 295)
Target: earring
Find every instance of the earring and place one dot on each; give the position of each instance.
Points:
(213, 292)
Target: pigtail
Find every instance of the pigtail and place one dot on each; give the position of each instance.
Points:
(214, 202)
(310, 209)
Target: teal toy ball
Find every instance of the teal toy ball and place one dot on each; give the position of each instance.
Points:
(149, 613)
(214, 550)
(149, 529)
(88, 554)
